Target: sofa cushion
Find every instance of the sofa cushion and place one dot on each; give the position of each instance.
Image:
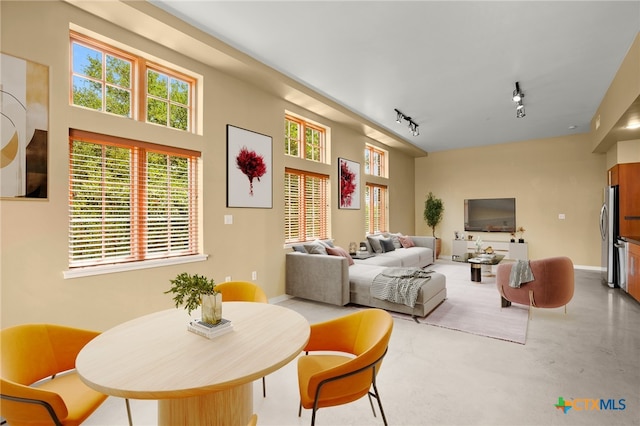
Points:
(381, 260)
(339, 251)
(387, 245)
(374, 242)
(395, 238)
(315, 248)
(299, 248)
(406, 241)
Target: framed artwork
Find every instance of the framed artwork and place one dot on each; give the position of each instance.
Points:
(24, 110)
(249, 172)
(349, 181)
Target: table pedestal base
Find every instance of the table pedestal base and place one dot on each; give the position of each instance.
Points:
(205, 409)
(476, 271)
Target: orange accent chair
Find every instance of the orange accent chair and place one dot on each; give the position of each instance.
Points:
(33, 353)
(243, 291)
(327, 380)
(552, 287)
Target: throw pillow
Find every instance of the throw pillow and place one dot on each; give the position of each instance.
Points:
(395, 240)
(374, 242)
(339, 251)
(406, 242)
(326, 243)
(299, 248)
(387, 245)
(315, 248)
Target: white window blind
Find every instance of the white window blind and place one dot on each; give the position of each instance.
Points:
(376, 208)
(306, 209)
(130, 200)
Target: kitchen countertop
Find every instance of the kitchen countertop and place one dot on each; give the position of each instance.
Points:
(633, 240)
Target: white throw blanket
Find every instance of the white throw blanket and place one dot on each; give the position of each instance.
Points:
(520, 273)
(399, 285)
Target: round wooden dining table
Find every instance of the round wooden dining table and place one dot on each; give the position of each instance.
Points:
(196, 380)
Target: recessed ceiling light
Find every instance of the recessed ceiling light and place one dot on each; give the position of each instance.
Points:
(634, 125)
(573, 126)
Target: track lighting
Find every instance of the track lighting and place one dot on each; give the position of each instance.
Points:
(413, 126)
(517, 98)
(399, 117)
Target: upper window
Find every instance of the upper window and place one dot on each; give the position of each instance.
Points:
(375, 160)
(130, 201)
(103, 78)
(304, 140)
(376, 208)
(306, 208)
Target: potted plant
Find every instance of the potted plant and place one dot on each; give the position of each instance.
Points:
(433, 211)
(195, 290)
(520, 231)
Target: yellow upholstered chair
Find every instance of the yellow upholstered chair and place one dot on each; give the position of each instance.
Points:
(44, 355)
(330, 379)
(242, 291)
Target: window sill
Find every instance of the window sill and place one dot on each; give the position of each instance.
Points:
(123, 267)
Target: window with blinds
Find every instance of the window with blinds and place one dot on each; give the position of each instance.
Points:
(376, 208)
(306, 206)
(130, 200)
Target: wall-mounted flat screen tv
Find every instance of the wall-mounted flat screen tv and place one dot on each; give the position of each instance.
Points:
(490, 215)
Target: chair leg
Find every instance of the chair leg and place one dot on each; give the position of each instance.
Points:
(126, 401)
(532, 303)
(376, 395)
(264, 387)
(371, 403)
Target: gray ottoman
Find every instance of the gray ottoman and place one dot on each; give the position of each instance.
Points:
(431, 294)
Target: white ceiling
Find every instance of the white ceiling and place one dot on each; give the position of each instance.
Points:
(450, 65)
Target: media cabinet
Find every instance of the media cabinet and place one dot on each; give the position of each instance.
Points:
(515, 251)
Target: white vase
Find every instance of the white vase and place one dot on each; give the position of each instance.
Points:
(212, 308)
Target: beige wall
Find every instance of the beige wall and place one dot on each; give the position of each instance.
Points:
(547, 177)
(34, 233)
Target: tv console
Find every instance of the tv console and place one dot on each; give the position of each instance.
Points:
(515, 251)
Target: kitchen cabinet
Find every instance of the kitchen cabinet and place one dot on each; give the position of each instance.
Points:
(627, 177)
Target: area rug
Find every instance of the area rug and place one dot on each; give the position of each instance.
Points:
(475, 307)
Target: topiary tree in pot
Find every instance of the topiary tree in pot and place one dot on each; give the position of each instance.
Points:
(433, 211)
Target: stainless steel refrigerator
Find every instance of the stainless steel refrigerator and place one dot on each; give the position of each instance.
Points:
(609, 234)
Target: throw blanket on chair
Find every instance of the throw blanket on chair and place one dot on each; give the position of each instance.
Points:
(520, 273)
(399, 285)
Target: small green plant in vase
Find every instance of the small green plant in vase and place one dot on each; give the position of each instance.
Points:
(193, 291)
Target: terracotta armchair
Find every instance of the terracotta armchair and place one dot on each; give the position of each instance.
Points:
(552, 286)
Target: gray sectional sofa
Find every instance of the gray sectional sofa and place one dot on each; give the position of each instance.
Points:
(335, 279)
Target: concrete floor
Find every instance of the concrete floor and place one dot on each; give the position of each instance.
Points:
(437, 376)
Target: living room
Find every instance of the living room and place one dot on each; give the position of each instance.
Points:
(548, 177)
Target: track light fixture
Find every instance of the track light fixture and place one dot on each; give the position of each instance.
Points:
(413, 126)
(517, 98)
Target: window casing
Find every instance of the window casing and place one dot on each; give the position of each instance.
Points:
(375, 161)
(376, 208)
(306, 206)
(110, 80)
(304, 140)
(130, 201)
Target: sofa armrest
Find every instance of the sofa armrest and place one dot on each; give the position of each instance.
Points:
(318, 277)
(420, 241)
